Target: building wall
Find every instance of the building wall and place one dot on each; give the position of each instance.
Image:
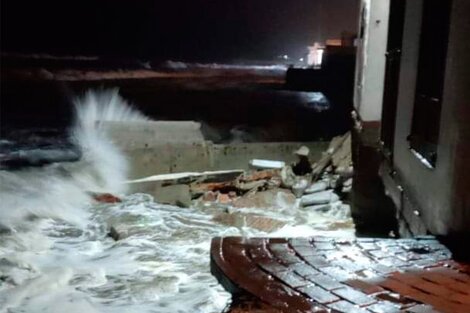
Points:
(370, 66)
(433, 191)
(458, 93)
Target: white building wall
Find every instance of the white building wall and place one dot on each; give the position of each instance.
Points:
(370, 65)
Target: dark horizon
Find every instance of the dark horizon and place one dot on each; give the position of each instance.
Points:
(197, 30)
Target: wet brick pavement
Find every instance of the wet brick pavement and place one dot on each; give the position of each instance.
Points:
(323, 274)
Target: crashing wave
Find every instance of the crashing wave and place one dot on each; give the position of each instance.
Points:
(59, 190)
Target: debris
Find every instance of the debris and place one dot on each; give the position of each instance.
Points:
(341, 157)
(247, 186)
(317, 187)
(338, 154)
(175, 195)
(190, 177)
(318, 207)
(257, 175)
(299, 187)
(273, 199)
(321, 197)
(210, 196)
(105, 198)
(345, 172)
(267, 164)
(200, 188)
(347, 186)
(224, 198)
(113, 233)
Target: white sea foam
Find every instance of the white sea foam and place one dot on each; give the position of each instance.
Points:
(55, 255)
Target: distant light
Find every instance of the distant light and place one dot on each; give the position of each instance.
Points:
(301, 59)
(320, 56)
(285, 57)
(315, 55)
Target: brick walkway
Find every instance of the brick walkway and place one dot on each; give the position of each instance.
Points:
(335, 275)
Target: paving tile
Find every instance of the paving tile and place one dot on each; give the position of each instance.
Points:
(368, 245)
(272, 266)
(408, 256)
(259, 254)
(325, 282)
(419, 283)
(384, 307)
(366, 239)
(460, 298)
(394, 249)
(425, 262)
(399, 287)
(449, 282)
(354, 296)
(291, 279)
(322, 239)
(305, 251)
(300, 242)
(367, 275)
(338, 273)
(393, 262)
(278, 247)
(324, 246)
(379, 253)
(287, 258)
(345, 306)
(316, 261)
(421, 308)
(395, 298)
(304, 270)
(363, 286)
(318, 294)
(348, 265)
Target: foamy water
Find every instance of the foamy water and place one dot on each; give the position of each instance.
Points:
(56, 256)
(162, 264)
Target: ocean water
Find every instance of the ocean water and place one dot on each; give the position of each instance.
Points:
(55, 252)
(161, 264)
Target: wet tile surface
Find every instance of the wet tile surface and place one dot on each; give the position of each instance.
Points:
(323, 274)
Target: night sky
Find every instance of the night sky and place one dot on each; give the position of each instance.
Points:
(192, 30)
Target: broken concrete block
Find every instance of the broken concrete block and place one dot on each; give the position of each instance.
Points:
(345, 171)
(321, 197)
(274, 199)
(348, 183)
(179, 195)
(267, 164)
(113, 233)
(318, 207)
(317, 187)
(105, 197)
(251, 185)
(258, 175)
(299, 187)
(223, 198)
(210, 196)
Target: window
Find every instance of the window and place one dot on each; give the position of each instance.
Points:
(430, 79)
(392, 75)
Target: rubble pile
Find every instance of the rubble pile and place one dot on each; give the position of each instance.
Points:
(241, 198)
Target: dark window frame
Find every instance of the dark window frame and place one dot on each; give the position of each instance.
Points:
(425, 128)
